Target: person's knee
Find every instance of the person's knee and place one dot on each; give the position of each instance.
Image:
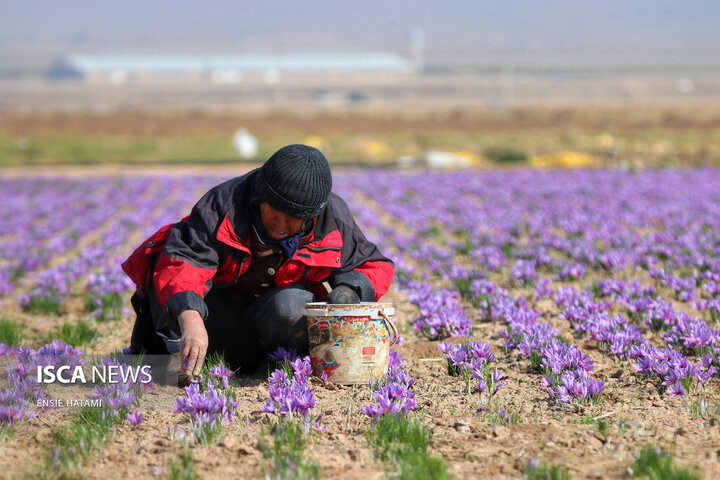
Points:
(280, 319)
(288, 305)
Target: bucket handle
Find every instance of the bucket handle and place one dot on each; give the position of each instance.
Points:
(390, 326)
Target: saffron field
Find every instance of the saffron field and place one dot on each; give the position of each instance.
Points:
(554, 324)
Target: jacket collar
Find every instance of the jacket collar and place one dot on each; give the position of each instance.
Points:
(323, 245)
(234, 230)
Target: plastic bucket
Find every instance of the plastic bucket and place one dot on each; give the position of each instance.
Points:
(350, 343)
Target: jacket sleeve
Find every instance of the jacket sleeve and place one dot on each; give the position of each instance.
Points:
(189, 260)
(364, 267)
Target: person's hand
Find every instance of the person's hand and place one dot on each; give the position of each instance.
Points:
(193, 343)
(343, 294)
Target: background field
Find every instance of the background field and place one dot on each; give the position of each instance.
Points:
(616, 136)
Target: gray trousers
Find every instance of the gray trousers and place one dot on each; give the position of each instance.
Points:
(244, 333)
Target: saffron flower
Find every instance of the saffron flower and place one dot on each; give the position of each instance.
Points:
(135, 418)
(290, 394)
(393, 394)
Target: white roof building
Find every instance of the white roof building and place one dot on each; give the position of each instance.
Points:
(224, 68)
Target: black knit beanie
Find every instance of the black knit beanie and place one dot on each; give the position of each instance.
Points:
(296, 181)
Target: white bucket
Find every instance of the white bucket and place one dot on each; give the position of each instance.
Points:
(350, 343)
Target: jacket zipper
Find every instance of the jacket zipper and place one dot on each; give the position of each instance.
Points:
(320, 249)
(240, 270)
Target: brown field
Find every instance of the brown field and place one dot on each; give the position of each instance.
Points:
(143, 123)
(614, 135)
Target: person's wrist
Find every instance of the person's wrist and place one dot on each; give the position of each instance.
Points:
(188, 319)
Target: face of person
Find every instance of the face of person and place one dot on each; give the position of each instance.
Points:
(278, 226)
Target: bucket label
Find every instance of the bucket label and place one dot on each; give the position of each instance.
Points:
(365, 318)
(368, 351)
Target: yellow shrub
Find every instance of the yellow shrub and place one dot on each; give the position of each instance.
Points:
(316, 141)
(376, 150)
(472, 158)
(563, 159)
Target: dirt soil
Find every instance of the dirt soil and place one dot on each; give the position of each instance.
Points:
(471, 446)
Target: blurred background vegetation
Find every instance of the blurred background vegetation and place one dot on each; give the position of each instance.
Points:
(539, 137)
(412, 83)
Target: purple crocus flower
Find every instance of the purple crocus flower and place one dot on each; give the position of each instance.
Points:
(222, 373)
(290, 394)
(676, 390)
(135, 418)
(393, 394)
(282, 354)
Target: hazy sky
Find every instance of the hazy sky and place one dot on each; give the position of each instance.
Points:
(451, 26)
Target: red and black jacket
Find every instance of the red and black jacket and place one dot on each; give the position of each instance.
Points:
(210, 248)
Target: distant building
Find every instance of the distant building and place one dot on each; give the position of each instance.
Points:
(226, 68)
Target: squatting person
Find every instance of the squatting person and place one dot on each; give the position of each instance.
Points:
(234, 276)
